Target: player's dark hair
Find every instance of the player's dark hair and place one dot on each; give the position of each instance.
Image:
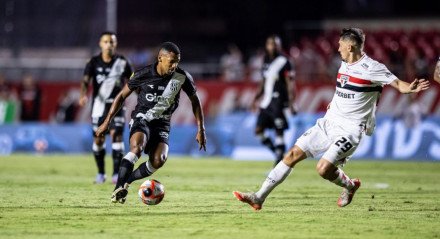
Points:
(170, 47)
(354, 34)
(107, 33)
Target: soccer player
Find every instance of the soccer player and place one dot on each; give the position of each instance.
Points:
(350, 115)
(158, 86)
(437, 71)
(108, 72)
(277, 92)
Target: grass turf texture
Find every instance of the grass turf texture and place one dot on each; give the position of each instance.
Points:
(53, 197)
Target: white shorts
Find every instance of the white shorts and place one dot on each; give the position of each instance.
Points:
(330, 139)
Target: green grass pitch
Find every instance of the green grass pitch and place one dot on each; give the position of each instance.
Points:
(53, 197)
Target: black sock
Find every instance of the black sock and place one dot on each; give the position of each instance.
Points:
(140, 173)
(268, 142)
(125, 171)
(99, 158)
(279, 152)
(117, 157)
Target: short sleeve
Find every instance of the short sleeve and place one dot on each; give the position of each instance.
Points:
(380, 74)
(135, 81)
(88, 71)
(189, 86)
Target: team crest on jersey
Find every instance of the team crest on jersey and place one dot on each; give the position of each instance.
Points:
(344, 80)
(365, 66)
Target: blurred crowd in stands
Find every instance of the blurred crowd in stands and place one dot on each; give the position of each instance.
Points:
(23, 102)
(408, 54)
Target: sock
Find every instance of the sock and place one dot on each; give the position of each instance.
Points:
(117, 153)
(280, 148)
(99, 153)
(144, 170)
(343, 180)
(266, 141)
(126, 168)
(275, 177)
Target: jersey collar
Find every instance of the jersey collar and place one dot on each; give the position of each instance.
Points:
(360, 59)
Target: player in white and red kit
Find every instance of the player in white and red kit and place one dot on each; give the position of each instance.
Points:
(351, 114)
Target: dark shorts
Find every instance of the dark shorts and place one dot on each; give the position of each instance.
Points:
(272, 120)
(117, 123)
(156, 131)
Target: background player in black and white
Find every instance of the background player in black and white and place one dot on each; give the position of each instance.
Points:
(108, 73)
(277, 92)
(158, 86)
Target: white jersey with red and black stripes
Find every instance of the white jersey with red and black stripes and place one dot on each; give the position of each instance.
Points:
(358, 89)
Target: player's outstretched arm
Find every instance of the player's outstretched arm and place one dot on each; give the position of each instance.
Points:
(437, 72)
(416, 86)
(116, 106)
(84, 87)
(198, 113)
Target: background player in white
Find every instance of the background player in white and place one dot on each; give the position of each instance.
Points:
(277, 93)
(108, 72)
(158, 86)
(351, 114)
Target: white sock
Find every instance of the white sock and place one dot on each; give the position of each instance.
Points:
(150, 167)
(343, 180)
(275, 177)
(97, 148)
(118, 146)
(131, 157)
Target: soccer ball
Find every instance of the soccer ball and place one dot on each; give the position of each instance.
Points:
(151, 192)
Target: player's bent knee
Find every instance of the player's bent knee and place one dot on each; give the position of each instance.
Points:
(293, 156)
(159, 160)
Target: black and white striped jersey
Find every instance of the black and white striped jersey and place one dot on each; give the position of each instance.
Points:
(108, 80)
(275, 95)
(158, 96)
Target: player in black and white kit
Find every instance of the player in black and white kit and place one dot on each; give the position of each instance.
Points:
(108, 73)
(277, 93)
(158, 87)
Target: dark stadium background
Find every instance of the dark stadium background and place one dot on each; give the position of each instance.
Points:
(52, 40)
